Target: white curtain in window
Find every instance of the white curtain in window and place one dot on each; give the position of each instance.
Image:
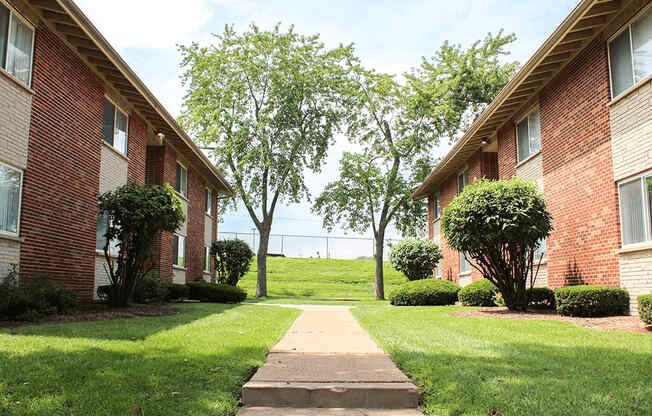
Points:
(4, 30)
(631, 207)
(642, 40)
(19, 56)
(9, 199)
(182, 251)
(648, 181)
(534, 132)
(523, 141)
(120, 132)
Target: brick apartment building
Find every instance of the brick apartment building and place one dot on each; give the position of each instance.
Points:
(576, 120)
(75, 121)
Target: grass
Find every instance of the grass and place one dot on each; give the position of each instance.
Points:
(110, 367)
(471, 366)
(291, 280)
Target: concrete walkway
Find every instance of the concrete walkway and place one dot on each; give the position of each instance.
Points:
(326, 364)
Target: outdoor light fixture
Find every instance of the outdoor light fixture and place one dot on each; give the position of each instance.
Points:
(484, 142)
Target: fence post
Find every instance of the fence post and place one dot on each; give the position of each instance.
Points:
(328, 254)
(282, 238)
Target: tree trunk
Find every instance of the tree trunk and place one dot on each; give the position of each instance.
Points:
(261, 285)
(380, 285)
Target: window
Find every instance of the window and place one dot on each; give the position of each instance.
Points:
(438, 271)
(100, 235)
(16, 44)
(541, 252)
(462, 181)
(465, 265)
(207, 259)
(636, 209)
(209, 202)
(181, 184)
(630, 53)
(179, 250)
(114, 127)
(10, 192)
(528, 133)
(436, 208)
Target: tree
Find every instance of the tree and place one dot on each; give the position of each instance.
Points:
(268, 103)
(499, 225)
(416, 259)
(134, 215)
(396, 127)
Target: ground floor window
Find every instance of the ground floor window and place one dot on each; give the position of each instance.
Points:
(179, 251)
(465, 265)
(100, 235)
(635, 197)
(207, 259)
(438, 271)
(10, 192)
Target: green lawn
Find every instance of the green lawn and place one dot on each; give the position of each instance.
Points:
(109, 367)
(471, 366)
(291, 280)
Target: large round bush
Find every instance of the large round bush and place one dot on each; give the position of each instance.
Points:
(232, 260)
(425, 292)
(591, 300)
(416, 259)
(480, 293)
(645, 308)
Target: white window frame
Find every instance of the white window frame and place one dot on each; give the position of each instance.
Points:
(115, 116)
(20, 201)
(463, 259)
(647, 215)
(175, 261)
(626, 26)
(209, 201)
(207, 259)
(436, 210)
(184, 194)
(14, 13)
(518, 149)
(467, 179)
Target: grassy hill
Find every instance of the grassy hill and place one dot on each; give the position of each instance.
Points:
(298, 279)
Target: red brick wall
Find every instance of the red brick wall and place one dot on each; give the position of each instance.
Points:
(578, 173)
(196, 216)
(507, 151)
(169, 165)
(450, 265)
(61, 183)
(216, 217)
(136, 148)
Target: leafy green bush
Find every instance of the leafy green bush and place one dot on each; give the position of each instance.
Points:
(480, 293)
(36, 298)
(425, 292)
(150, 289)
(645, 308)
(416, 259)
(541, 297)
(232, 260)
(176, 292)
(216, 292)
(498, 299)
(591, 300)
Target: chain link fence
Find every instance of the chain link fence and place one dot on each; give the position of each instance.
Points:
(314, 246)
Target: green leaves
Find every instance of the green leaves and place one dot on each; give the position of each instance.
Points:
(416, 259)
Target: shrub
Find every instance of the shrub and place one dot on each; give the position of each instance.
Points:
(150, 289)
(38, 297)
(591, 300)
(216, 292)
(416, 259)
(176, 292)
(499, 225)
(645, 308)
(104, 293)
(541, 297)
(480, 293)
(498, 299)
(232, 260)
(425, 292)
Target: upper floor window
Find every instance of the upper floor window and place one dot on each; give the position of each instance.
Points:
(630, 53)
(635, 197)
(10, 191)
(209, 202)
(462, 181)
(181, 183)
(16, 45)
(436, 207)
(528, 133)
(114, 127)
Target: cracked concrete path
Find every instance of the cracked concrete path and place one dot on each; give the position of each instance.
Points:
(327, 364)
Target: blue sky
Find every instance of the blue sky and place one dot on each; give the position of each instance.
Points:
(390, 36)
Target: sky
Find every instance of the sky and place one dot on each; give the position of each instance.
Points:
(389, 36)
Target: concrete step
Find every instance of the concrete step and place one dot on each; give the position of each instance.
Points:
(285, 411)
(401, 395)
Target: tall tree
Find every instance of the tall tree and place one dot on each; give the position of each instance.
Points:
(396, 127)
(267, 102)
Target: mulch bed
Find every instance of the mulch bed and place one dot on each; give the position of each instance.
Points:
(97, 313)
(609, 323)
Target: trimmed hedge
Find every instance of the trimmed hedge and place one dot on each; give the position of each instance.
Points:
(591, 301)
(645, 308)
(150, 290)
(541, 297)
(219, 293)
(425, 292)
(480, 293)
(35, 298)
(176, 292)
